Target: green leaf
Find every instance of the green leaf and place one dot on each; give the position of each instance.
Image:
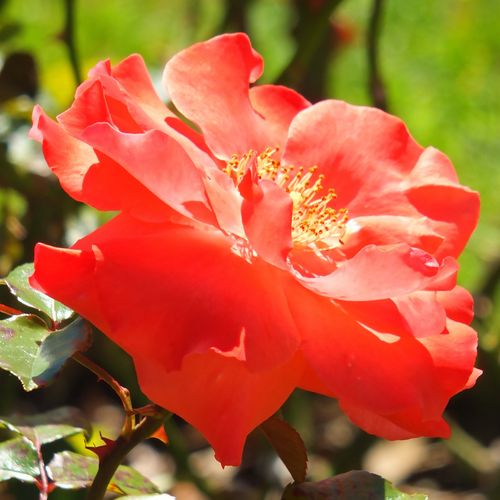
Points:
(57, 348)
(391, 493)
(17, 281)
(131, 482)
(48, 427)
(72, 471)
(288, 445)
(18, 460)
(353, 485)
(34, 354)
(20, 340)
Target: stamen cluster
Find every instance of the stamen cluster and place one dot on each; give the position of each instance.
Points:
(315, 223)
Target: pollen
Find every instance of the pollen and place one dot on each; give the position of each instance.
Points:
(315, 223)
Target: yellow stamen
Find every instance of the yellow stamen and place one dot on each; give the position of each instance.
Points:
(315, 224)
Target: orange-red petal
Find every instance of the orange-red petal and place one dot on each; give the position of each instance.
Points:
(219, 396)
(186, 287)
(208, 82)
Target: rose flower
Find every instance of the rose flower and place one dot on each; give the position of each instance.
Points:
(275, 244)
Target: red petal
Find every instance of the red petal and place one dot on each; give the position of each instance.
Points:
(458, 303)
(422, 312)
(364, 154)
(183, 287)
(454, 211)
(360, 368)
(99, 182)
(389, 230)
(433, 167)
(129, 84)
(134, 78)
(159, 163)
(68, 274)
(476, 373)
(67, 157)
(103, 101)
(419, 314)
(267, 219)
(209, 82)
(404, 382)
(278, 105)
(225, 201)
(404, 424)
(453, 356)
(88, 108)
(377, 273)
(219, 396)
(377, 169)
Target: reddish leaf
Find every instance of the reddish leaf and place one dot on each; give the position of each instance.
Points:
(353, 485)
(161, 435)
(288, 445)
(102, 450)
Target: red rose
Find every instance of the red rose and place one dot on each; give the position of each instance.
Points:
(285, 245)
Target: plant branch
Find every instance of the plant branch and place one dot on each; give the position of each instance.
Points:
(9, 310)
(120, 448)
(152, 417)
(122, 392)
(43, 485)
(312, 32)
(375, 85)
(68, 37)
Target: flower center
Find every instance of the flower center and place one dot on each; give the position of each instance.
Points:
(315, 223)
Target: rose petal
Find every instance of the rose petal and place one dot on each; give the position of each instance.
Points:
(68, 274)
(364, 154)
(433, 167)
(225, 201)
(471, 382)
(423, 313)
(208, 82)
(278, 105)
(377, 169)
(103, 101)
(458, 303)
(194, 283)
(357, 366)
(377, 273)
(388, 230)
(130, 84)
(97, 181)
(219, 396)
(67, 157)
(88, 108)
(454, 211)
(394, 387)
(453, 356)
(380, 316)
(134, 78)
(405, 424)
(159, 163)
(267, 219)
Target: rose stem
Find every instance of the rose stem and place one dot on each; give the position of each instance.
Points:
(68, 37)
(110, 461)
(9, 310)
(308, 42)
(122, 392)
(376, 86)
(131, 435)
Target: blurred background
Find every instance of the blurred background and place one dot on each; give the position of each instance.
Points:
(434, 64)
